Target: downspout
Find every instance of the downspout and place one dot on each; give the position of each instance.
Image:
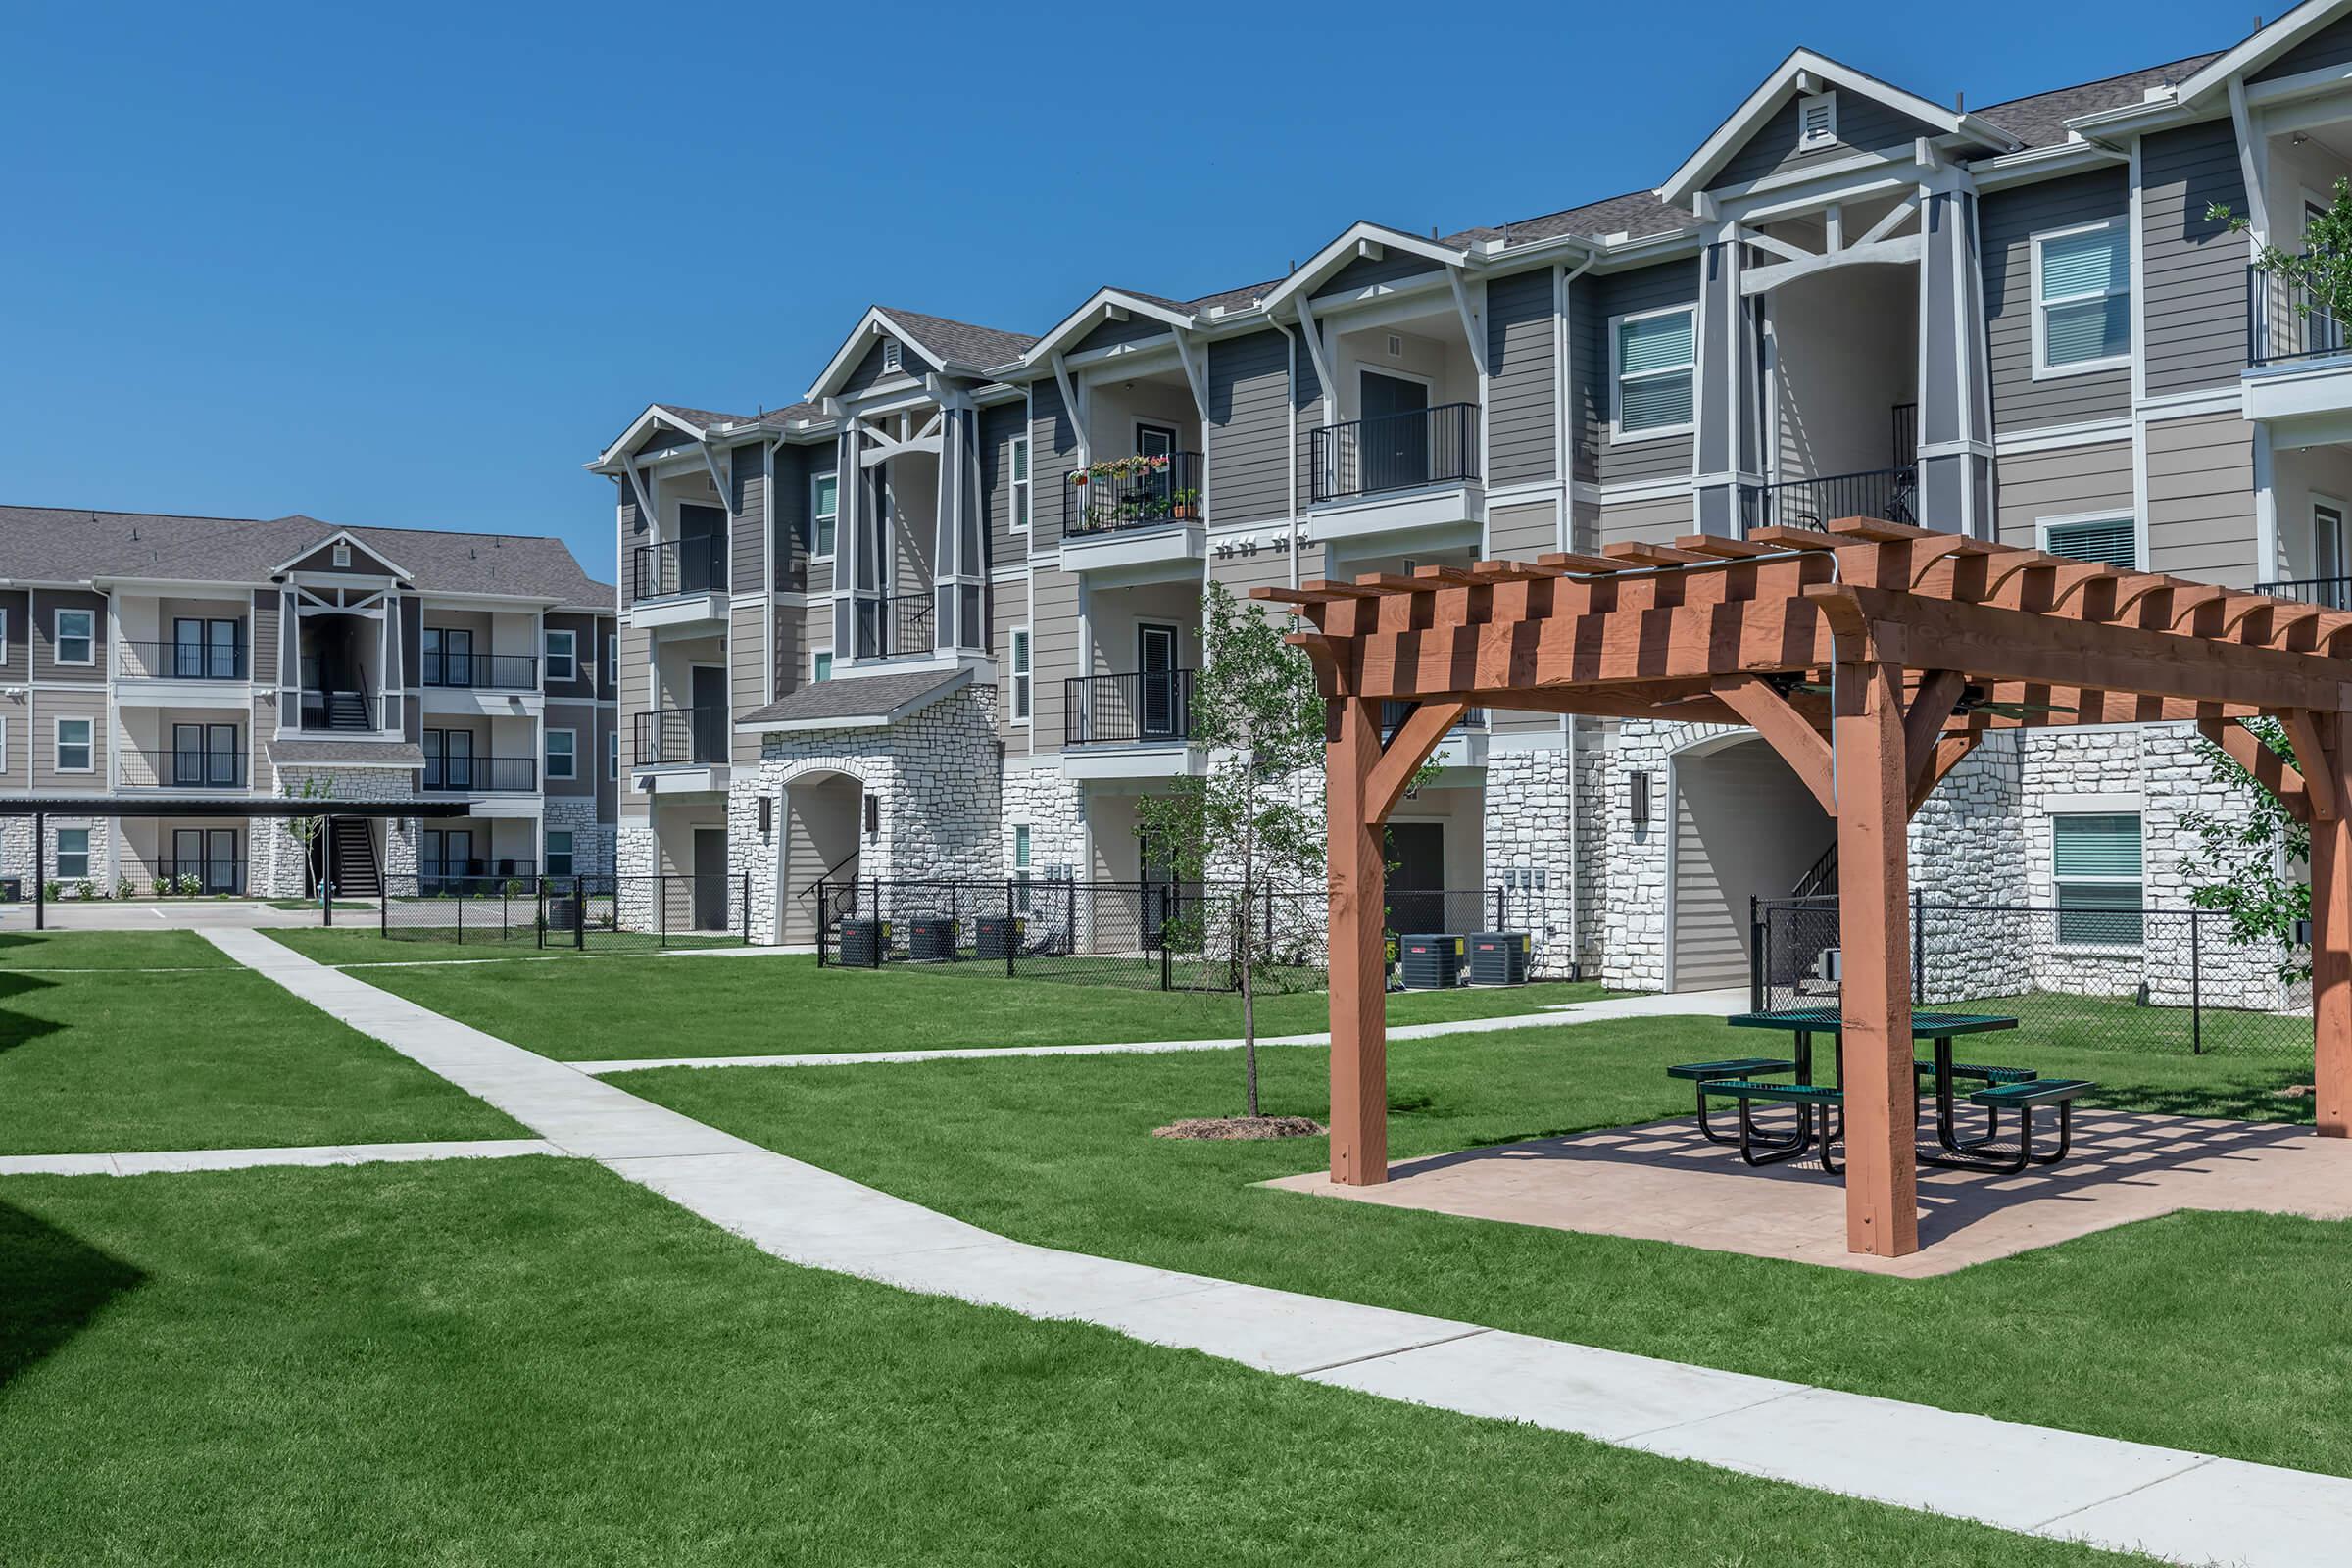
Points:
(1289, 467)
(1561, 342)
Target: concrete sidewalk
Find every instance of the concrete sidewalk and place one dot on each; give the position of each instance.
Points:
(2182, 1506)
(144, 1163)
(1682, 1004)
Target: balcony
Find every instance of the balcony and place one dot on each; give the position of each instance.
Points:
(2298, 360)
(895, 625)
(481, 775)
(2328, 593)
(682, 582)
(1889, 494)
(206, 874)
(181, 660)
(1414, 469)
(681, 737)
(218, 764)
(496, 672)
(480, 877)
(1149, 706)
(1130, 513)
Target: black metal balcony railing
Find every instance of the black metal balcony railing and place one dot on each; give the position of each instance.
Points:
(1891, 494)
(2328, 593)
(697, 566)
(483, 775)
(2284, 325)
(1396, 452)
(482, 672)
(1146, 706)
(893, 625)
(197, 768)
(177, 661)
(681, 737)
(1393, 713)
(1143, 492)
(212, 875)
(477, 877)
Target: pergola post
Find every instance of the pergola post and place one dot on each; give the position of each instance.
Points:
(2326, 783)
(1881, 1204)
(1359, 876)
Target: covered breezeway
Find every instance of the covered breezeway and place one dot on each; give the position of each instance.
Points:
(1743, 826)
(1871, 657)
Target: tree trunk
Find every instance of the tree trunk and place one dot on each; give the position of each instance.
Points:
(1241, 948)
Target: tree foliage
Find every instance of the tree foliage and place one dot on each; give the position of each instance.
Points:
(2246, 867)
(2322, 269)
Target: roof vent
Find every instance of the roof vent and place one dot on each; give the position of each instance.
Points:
(1396, 347)
(890, 354)
(1817, 120)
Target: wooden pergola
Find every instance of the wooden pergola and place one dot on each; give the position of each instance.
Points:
(1872, 657)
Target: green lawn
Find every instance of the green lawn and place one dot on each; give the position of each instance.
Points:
(110, 949)
(620, 1007)
(531, 1361)
(98, 1057)
(2220, 1333)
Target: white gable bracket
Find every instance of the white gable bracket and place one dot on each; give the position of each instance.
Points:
(2257, 209)
(1314, 348)
(1072, 407)
(1195, 369)
(1474, 328)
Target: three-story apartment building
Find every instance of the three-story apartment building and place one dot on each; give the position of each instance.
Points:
(940, 616)
(192, 660)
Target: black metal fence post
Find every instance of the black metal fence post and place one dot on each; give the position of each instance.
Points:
(824, 907)
(661, 903)
(1918, 948)
(1166, 948)
(1012, 941)
(2197, 985)
(745, 888)
(1758, 954)
(383, 910)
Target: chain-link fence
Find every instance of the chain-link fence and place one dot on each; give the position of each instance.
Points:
(582, 913)
(2102, 978)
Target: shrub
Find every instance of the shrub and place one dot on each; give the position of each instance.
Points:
(187, 884)
(84, 888)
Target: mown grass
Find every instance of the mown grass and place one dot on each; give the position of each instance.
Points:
(97, 1056)
(110, 949)
(2214, 1332)
(533, 1361)
(776, 1003)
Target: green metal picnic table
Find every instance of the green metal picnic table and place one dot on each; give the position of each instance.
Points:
(1941, 1029)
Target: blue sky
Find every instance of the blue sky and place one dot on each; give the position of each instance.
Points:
(411, 266)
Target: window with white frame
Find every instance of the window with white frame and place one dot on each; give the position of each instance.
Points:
(3, 743)
(2082, 298)
(612, 757)
(1017, 465)
(1023, 683)
(563, 653)
(561, 762)
(1020, 863)
(77, 636)
(821, 664)
(612, 664)
(3, 634)
(558, 852)
(890, 355)
(824, 513)
(1816, 121)
(1652, 367)
(2113, 540)
(73, 745)
(73, 854)
(2095, 862)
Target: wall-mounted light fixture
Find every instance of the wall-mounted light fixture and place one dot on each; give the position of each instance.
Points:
(1639, 783)
(873, 816)
(767, 816)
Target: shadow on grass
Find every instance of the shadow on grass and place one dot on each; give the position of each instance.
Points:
(16, 1028)
(57, 1287)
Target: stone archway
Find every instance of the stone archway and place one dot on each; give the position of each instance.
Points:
(822, 840)
(1741, 825)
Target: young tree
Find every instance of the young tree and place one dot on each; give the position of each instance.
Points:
(2322, 270)
(2244, 868)
(1246, 822)
(307, 830)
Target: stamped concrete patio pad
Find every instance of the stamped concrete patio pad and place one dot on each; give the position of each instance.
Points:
(1663, 1182)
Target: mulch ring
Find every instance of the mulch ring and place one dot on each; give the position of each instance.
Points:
(1242, 1127)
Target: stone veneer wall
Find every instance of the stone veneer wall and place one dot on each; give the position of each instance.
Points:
(274, 860)
(939, 776)
(1531, 799)
(1055, 807)
(592, 846)
(16, 849)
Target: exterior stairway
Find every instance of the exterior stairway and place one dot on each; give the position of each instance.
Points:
(348, 710)
(352, 857)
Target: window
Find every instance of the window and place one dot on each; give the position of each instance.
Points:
(1018, 466)
(2113, 540)
(890, 355)
(558, 852)
(3, 743)
(73, 854)
(73, 745)
(1816, 121)
(77, 636)
(613, 662)
(205, 756)
(1021, 678)
(612, 757)
(342, 554)
(1020, 863)
(2081, 298)
(2095, 858)
(824, 513)
(821, 664)
(561, 763)
(562, 656)
(1652, 362)
(3, 635)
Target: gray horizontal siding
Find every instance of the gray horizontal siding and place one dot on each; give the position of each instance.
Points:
(1597, 299)
(1522, 534)
(1864, 124)
(793, 467)
(1645, 521)
(2070, 482)
(1248, 429)
(747, 475)
(2201, 499)
(1523, 379)
(2324, 50)
(1111, 334)
(1000, 422)
(2006, 222)
(2193, 268)
(1052, 651)
(871, 374)
(1364, 272)
(1053, 455)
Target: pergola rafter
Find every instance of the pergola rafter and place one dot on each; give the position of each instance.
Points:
(1872, 656)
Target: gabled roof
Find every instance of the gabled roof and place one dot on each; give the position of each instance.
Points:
(956, 348)
(1784, 84)
(2265, 45)
(857, 702)
(1097, 310)
(344, 536)
(2040, 119)
(1360, 239)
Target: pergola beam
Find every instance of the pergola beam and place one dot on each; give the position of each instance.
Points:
(1806, 749)
(2268, 769)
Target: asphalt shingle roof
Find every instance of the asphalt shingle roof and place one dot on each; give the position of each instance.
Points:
(961, 341)
(73, 544)
(874, 699)
(2038, 121)
(324, 753)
